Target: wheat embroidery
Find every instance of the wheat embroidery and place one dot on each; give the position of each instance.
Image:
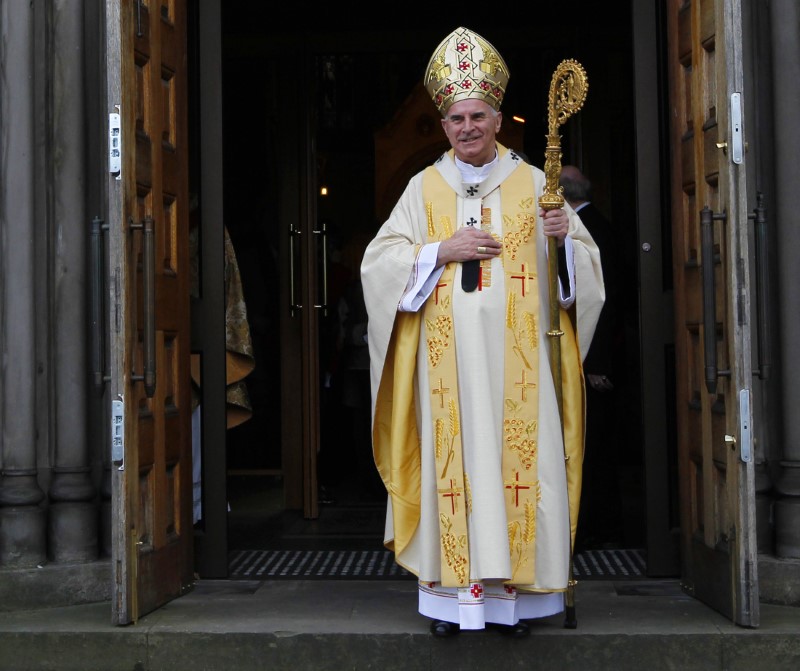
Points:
(455, 429)
(512, 324)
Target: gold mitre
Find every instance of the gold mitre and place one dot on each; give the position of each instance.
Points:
(466, 66)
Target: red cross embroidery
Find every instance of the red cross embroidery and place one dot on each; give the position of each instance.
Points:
(441, 285)
(476, 590)
(524, 278)
(516, 485)
(451, 494)
(508, 589)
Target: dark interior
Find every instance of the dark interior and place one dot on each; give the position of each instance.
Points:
(360, 71)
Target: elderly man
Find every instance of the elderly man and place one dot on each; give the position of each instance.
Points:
(466, 429)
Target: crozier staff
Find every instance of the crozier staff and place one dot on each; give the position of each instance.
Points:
(466, 429)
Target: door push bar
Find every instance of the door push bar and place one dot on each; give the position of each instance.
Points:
(759, 214)
(323, 244)
(323, 237)
(96, 277)
(149, 287)
(707, 218)
(293, 305)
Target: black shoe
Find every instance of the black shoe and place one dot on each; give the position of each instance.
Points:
(444, 629)
(519, 630)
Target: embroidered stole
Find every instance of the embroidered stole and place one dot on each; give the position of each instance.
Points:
(521, 378)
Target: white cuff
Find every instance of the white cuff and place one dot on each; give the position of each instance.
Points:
(566, 298)
(423, 279)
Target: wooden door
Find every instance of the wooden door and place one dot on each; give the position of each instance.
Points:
(712, 310)
(149, 315)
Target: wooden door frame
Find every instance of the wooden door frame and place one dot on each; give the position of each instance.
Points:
(655, 296)
(299, 435)
(208, 313)
(295, 202)
(299, 318)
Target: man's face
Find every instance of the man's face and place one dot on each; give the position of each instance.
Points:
(471, 126)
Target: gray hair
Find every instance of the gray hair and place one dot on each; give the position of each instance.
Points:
(576, 189)
(492, 112)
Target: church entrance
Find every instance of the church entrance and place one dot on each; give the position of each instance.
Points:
(314, 122)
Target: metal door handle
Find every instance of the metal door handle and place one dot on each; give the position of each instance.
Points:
(762, 287)
(96, 278)
(323, 232)
(149, 289)
(292, 305)
(707, 218)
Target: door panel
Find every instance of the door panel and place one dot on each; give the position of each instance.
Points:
(148, 232)
(305, 314)
(712, 312)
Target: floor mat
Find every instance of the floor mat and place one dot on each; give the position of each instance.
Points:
(380, 564)
(610, 564)
(315, 564)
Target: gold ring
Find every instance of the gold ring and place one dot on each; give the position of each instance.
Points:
(481, 250)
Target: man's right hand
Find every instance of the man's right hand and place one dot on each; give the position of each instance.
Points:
(468, 244)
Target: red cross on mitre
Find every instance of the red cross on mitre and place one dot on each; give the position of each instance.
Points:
(476, 590)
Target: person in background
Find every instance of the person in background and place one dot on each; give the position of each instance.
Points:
(239, 353)
(467, 436)
(599, 523)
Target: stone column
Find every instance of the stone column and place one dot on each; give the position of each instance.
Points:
(22, 518)
(784, 19)
(73, 515)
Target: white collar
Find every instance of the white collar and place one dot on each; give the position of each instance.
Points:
(471, 174)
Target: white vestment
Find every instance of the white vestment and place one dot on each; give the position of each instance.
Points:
(397, 269)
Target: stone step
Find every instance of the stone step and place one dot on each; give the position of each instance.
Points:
(362, 624)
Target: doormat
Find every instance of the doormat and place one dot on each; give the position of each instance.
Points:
(315, 565)
(380, 564)
(609, 564)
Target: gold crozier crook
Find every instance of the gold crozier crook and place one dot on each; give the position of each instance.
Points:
(568, 89)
